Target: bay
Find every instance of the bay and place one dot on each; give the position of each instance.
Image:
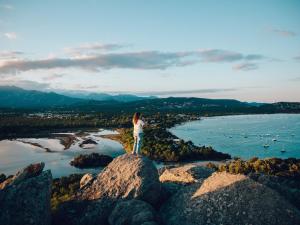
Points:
(246, 136)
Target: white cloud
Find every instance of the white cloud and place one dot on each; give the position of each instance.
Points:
(219, 55)
(142, 60)
(283, 32)
(185, 92)
(6, 6)
(89, 49)
(11, 35)
(10, 55)
(53, 76)
(25, 84)
(246, 66)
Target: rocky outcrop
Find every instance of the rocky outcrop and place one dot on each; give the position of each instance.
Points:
(186, 174)
(28, 172)
(126, 177)
(26, 198)
(174, 178)
(86, 179)
(128, 191)
(224, 198)
(88, 143)
(288, 188)
(133, 212)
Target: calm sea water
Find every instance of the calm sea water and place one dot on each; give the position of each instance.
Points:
(15, 155)
(246, 136)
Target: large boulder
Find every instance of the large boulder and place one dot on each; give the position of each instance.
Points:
(133, 212)
(225, 198)
(287, 187)
(82, 212)
(186, 174)
(126, 177)
(30, 171)
(26, 199)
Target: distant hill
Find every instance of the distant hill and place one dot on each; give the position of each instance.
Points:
(105, 97)
(14, 97)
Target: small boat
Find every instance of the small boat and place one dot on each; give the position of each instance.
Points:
(266, 145)
(282, 149)
(274, 139)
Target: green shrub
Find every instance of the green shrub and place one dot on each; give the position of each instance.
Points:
(271, 166)
(63, 188)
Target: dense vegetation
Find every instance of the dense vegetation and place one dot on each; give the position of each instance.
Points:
(271, 166)
(91, 161)
(63, 188)
(15, 125)
(159, 144)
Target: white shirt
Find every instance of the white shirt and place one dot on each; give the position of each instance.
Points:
(138, 127)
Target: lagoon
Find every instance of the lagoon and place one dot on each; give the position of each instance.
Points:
(18, 153)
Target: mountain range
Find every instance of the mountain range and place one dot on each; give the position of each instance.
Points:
(15, 97)
(104, 97)
(12, 97)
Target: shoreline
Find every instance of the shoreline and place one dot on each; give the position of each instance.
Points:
(50, 132)
(117, 137)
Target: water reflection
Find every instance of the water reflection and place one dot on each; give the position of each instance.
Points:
(16, 154)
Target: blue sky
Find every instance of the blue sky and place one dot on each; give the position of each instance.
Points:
(246, 50)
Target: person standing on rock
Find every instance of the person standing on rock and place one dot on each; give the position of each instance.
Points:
(138, 124)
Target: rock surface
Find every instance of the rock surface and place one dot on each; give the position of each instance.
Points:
(86, 179)
(187, 174)
(26, 199)
(126, 177)
(289, 188)
(133, 212)
(224, 198)
(30, 171)
(82, 213)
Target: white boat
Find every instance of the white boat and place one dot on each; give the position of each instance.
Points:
(274, 139)
(266, 144)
